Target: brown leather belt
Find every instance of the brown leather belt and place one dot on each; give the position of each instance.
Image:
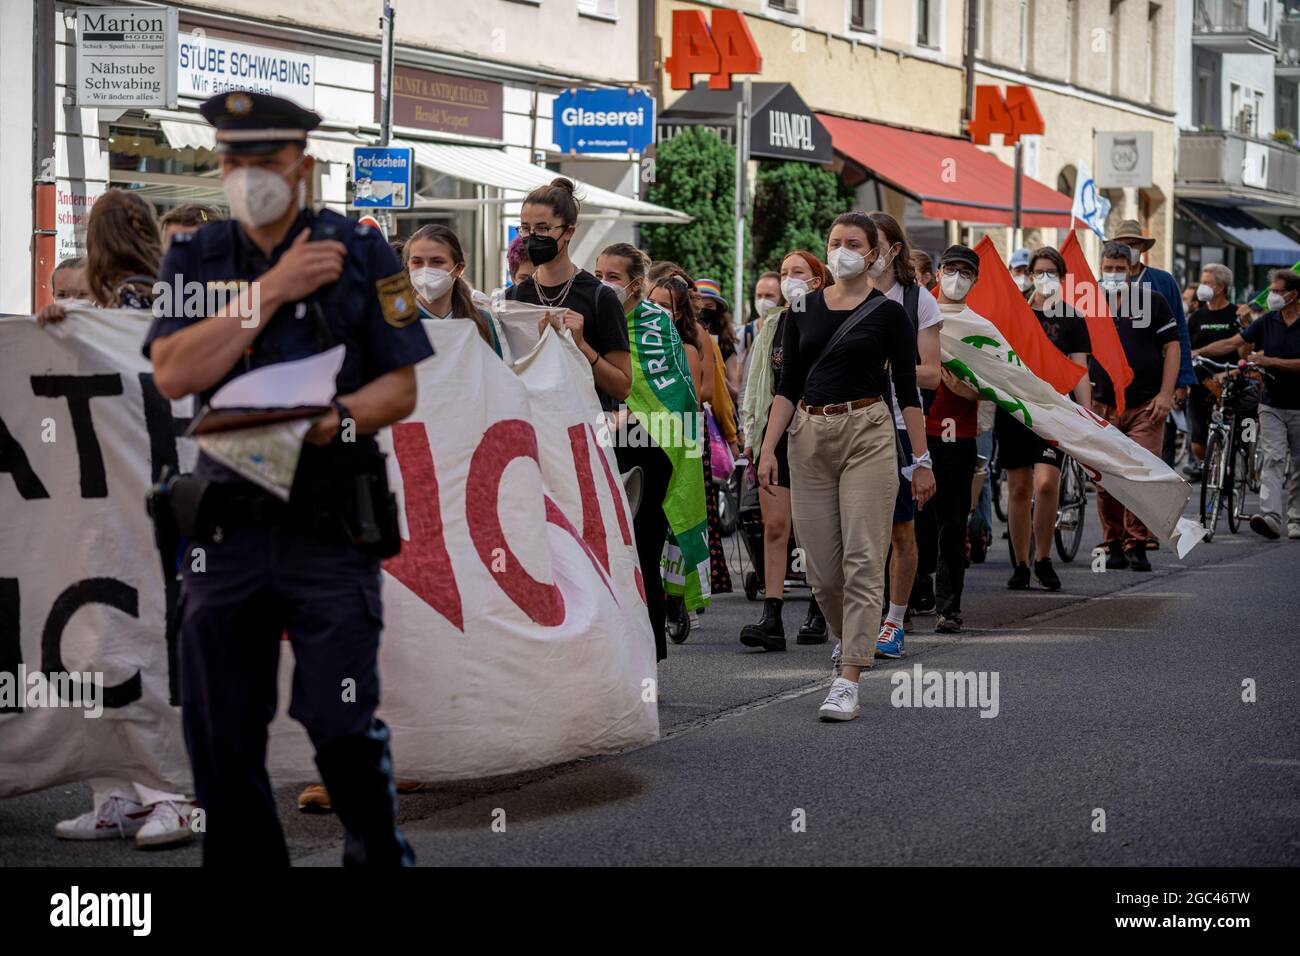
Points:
(843, 408)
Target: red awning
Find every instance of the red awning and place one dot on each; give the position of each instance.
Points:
(974, 187)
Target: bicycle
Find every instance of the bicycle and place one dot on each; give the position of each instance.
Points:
(1229, 458)
(1071, 513)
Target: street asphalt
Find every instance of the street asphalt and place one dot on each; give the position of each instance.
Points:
(1121, 737)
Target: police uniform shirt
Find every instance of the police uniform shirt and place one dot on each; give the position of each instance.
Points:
(370, 309)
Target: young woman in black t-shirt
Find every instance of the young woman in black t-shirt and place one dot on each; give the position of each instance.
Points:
(843, 467)
(588, 309)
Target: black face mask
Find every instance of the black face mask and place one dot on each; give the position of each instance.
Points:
(541, 249)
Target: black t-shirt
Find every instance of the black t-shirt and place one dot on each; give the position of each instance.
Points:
(1145, 324)
(856, 367)
(1271, 335)
(1210, 325)
(604, 325)
(1065, 328)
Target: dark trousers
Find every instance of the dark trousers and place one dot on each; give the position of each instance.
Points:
(650, 526)
(941, 524)
(257, 585)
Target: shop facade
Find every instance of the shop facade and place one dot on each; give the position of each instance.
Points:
(478, 121)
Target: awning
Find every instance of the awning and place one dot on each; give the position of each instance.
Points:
(191, 131)
(951, 178)
(496, 168)
(1268, 247)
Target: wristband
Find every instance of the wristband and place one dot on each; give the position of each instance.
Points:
(922, 462)
(595, 360)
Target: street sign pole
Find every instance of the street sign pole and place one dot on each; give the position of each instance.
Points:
(742, 161)
(386, 24)
(1017, 199)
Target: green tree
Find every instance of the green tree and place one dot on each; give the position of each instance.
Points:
(794, 204)
(695, 173)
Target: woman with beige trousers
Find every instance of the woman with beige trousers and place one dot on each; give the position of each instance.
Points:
(841, 348)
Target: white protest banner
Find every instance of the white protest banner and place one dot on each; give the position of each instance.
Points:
(82, 587)
(515, 629)
(974, 350)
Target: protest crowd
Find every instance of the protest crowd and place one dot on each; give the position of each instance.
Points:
(843, 423)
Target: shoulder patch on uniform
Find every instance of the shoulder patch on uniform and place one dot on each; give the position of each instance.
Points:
(397, 299)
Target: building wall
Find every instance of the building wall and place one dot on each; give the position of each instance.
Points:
(548, 35)
(16, 122)
(837, 71)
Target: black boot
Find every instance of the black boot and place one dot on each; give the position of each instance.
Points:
(1116, 559)
(813, 630)
(1137, 557)
(768, 633)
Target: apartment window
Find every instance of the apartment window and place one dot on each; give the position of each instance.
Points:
(862, 16)
(1112, 46)
(927, 23)
(605, 9)
(783, 6)
(1024, 34)
(1071, 40)
(1149, 70)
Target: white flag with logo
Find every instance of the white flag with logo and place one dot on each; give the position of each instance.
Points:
(975, 351)
(1090, 207)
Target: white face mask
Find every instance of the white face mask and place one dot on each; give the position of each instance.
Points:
(1047, 286)
(431, 283)
(1114, 280)
(764, 306)
(258, 196)
(954, 287)
(620, 290)
(1204, 293)
(877, 268)
(1276, 301)
(845, 263)
(793, 288)
(1023, 282)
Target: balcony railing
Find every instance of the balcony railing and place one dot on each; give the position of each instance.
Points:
(1225, 25)
(1223, 163)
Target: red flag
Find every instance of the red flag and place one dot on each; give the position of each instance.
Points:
(1087, 300)
(996, 298)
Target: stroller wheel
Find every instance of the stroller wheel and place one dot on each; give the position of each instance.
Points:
(751, 585)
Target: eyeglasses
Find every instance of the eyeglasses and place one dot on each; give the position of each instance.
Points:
(541, 228)
(962, 271)
(1045, 274)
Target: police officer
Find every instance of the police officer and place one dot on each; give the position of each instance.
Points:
(269, 568)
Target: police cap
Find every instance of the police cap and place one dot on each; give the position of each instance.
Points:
(248, 122)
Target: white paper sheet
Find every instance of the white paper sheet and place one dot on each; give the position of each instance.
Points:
(308, 381)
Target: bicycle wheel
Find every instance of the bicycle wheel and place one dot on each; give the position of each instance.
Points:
(1211, 483)
(1241, 459)
(1071, 511)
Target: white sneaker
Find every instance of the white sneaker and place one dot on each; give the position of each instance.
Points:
(1293, 530)
(842, 702)
(168, 824)
(115, 817)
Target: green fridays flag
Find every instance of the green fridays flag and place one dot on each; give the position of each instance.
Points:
(663, 401)
(1261, 300)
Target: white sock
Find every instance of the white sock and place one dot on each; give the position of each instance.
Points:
(896, 613)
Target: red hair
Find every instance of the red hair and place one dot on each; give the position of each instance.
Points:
(814, 266)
